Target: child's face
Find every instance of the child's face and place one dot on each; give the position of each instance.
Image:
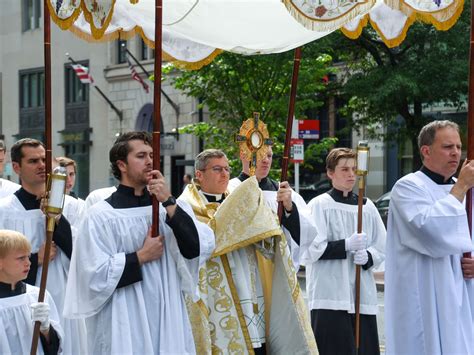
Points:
(14, 266)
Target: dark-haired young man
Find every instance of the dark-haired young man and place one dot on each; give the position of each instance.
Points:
(126, 282)
(21, 212)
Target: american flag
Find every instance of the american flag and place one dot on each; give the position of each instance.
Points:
(137, 77)
(82, 73)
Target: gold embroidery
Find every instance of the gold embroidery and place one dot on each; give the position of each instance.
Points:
(238, 307)
(227, 329)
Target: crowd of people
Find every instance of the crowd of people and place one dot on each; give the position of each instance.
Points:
(219, 276)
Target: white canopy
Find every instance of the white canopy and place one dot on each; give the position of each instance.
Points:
(196, 30)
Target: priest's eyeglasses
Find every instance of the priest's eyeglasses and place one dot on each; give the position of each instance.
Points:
(219, 169)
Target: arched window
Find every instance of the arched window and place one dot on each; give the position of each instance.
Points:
(144, 120)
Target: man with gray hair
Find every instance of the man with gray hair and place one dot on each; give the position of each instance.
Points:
(426, 296)
(234, 280)
(6, 186)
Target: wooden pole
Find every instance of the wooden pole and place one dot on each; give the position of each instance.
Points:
(470, 120)
(44, 279)
(47, 86)
(289, 123)
(47, 138)
(157, 108)
(360, 205)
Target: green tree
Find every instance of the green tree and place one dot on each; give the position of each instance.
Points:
(429, 67)
(233, 86)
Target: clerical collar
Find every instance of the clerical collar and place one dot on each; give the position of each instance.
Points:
(125, 197)
(437, 178)
(266, 184)
(338, 196)
(214, 197)
(6, 289)
(28, 200)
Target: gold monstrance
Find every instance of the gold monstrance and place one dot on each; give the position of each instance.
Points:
(254, 140)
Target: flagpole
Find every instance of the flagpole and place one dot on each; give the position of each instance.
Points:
(157, 108)
(111, 104)
(168, 99)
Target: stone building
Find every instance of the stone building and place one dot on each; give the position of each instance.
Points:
(84, 125)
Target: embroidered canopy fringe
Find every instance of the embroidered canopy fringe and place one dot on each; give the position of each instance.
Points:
(330, 24)
(442, 20)
(259, 27)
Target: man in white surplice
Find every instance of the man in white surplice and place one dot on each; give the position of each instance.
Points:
(128, 284)
(6, 186)
(427, 307)
(73, 205)
(332, 258)
(21, 212)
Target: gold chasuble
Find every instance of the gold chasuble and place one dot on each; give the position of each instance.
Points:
(219, 327)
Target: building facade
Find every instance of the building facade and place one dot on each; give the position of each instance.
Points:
(84, 124)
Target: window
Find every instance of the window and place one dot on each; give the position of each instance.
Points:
(31, 103)
(145, 52)
(76, 92)
(406, 160)
(32, 89)
(30, 13)
(121, 53)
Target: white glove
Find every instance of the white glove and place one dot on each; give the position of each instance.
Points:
(40, 313)
(361, 257)
(356, 241)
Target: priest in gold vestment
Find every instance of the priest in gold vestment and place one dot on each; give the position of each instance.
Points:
(241, 307)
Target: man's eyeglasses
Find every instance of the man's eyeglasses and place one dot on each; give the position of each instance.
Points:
(219, 169)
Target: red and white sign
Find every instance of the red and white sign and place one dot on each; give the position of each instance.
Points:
(297, 150)
(308, 129)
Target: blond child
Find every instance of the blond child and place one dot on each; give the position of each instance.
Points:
(19, 308)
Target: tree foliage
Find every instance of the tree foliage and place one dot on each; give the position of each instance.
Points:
(430, 67)
(234, 86)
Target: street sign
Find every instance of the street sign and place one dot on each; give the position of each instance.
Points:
(297, 150)
(308, 129)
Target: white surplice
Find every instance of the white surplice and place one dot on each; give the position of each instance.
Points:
(427, 307)
(7, 187)
(16, 326)
(146, 317)
(72, 210)
(330, 284)
(98, 195)
(32, 224)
